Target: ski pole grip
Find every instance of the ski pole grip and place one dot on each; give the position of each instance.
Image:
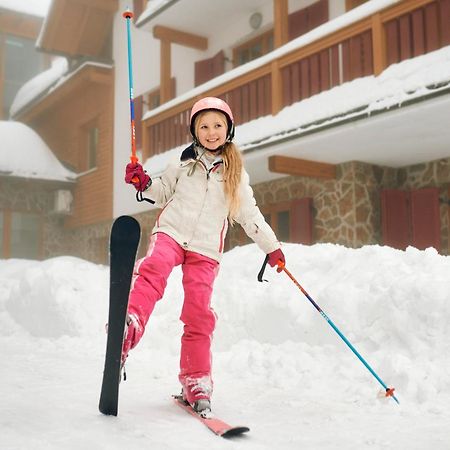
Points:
(281, 266)
(134, 159)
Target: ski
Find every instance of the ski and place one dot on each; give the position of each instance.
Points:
(124, 240)
(216, 425)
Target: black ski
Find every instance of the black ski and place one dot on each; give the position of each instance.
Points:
(124, 240)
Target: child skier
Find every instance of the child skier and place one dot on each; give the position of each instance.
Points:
(200, 193)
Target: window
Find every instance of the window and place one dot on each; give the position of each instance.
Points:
(152, 99)
(2, 232)
(283, 225)
(20, 235)
(291, 221)
(89, 143)
(92, 147)
(21, 62)
(253, 49)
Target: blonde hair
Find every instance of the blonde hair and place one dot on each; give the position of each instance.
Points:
(232, 173)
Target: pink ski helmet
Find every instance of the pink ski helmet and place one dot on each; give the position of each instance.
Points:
(212, 104)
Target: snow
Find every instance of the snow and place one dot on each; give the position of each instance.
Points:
(38, 85)
(278, 366)
(24, 154)
(34, 7)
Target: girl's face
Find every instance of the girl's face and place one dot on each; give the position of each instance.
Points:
(211, 130)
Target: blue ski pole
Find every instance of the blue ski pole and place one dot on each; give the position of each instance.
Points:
(128, 15)
(389, 391)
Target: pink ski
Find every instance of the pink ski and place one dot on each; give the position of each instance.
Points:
(216, 425)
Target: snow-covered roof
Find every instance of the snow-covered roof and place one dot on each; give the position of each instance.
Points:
(47, 82)
(38, 85)
(24, 154)
(37, 8)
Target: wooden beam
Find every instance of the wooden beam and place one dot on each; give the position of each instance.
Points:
(165, 72)
(280, 22)
(301, 167)
(378, 44)
(180, 37)
(277, 88)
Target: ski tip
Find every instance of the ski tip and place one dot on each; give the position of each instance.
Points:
(235, 431)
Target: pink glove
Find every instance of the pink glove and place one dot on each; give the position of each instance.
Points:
(136, 175)
(276, 256)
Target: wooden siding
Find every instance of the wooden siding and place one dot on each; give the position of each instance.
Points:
(63, 127)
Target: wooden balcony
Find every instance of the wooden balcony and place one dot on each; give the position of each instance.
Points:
(405, 30)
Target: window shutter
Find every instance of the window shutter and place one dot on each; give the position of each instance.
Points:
(209, 68)
(317, 14)
(306, 19)
(297, 23)
(301, 221)
(425, 218)
(395, 218)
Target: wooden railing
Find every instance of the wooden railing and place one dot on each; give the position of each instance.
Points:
(404, 30)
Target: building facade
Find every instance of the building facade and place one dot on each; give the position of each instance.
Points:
(333, 152)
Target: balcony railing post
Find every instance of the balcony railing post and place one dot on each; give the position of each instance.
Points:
(277, 87)
(280, 22)
(378, 44)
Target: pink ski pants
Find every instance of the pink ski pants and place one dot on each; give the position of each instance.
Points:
(148, 285)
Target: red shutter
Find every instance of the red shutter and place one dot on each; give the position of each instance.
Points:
(395, 218)
(207, 69)
(301, 221)
(425, 218)
(304, 20)
(297, 24)
(444, 15)
(317, 14)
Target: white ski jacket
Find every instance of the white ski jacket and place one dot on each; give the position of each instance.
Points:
(195, 210)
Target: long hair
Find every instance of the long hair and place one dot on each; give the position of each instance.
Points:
(232, 163)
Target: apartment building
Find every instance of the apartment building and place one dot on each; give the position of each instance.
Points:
(341, 109)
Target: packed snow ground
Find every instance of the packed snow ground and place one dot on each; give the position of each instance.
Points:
(278, 366)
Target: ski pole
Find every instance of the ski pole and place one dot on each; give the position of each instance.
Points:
(128, 15)
(389, 391)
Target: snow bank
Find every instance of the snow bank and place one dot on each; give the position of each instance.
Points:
(394, 306)
(26, 155)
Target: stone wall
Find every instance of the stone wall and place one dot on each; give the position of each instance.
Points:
(346, 210)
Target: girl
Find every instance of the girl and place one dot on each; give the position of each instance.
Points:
(200, 193)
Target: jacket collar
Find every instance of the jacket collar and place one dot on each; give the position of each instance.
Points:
(188, 153)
